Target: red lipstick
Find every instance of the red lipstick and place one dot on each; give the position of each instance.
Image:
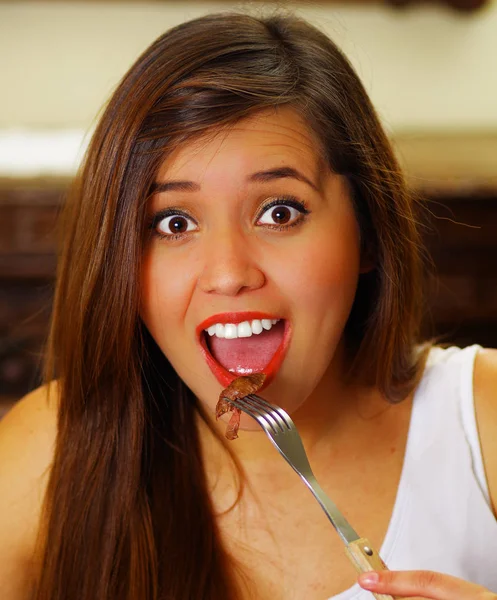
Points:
(224, 376)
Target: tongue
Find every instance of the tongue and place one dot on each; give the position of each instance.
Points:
(247, 355)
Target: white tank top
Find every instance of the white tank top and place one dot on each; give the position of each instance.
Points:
(442, 520)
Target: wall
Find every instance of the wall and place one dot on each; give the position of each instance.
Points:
(426, 68)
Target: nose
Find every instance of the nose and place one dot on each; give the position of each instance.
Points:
(229, 267)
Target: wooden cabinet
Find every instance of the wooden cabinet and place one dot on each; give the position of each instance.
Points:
(463, 245)
(28, 212)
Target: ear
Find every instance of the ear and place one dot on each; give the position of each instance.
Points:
(366, 269)
(368, 262)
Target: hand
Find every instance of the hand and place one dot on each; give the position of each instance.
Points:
(423, 584)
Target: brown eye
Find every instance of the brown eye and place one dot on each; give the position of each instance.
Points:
(282, 214)
(174, 225)
(178, 225)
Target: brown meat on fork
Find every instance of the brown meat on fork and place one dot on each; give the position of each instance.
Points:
(238, 388)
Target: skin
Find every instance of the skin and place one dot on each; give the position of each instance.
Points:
(234, 262)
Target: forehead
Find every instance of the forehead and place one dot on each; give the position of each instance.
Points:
(279, 136)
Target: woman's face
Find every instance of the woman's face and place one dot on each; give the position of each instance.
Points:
(249, 227)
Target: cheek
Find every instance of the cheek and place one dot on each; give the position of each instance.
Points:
(326, 269)
(166, 289)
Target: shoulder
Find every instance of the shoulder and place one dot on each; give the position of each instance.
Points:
(28, 431)
(485, 395)
(27, 440)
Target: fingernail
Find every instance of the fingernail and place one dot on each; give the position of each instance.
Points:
(369, 579)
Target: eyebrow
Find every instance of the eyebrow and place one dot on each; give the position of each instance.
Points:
(281, 173)
(174, 186)
(259, 177)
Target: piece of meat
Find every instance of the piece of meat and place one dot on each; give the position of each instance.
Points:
(233, 425)
(238, 388)
(243, 386)
(222, 407)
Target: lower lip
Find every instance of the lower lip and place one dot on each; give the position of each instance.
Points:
(225, 377)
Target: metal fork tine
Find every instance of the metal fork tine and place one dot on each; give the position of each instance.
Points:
(260, 401)
(260, 414)
(261, 404)
(274, 409)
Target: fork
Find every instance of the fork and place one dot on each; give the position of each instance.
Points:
(282, 432)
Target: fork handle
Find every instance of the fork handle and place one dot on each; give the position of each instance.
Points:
(365, 558)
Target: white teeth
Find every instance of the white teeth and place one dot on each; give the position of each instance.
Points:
(231, 331)
(244, 329)
(256, 326)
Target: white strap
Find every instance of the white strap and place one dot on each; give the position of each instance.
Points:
(468, 418)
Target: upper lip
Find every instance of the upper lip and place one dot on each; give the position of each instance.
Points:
(234, 317)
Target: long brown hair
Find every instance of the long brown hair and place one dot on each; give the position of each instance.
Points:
(127, 512)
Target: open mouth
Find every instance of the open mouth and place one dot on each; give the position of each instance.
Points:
(242, 344)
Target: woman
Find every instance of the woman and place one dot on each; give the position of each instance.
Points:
(240, 210)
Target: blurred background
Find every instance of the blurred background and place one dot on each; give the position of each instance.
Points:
(431, 71)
